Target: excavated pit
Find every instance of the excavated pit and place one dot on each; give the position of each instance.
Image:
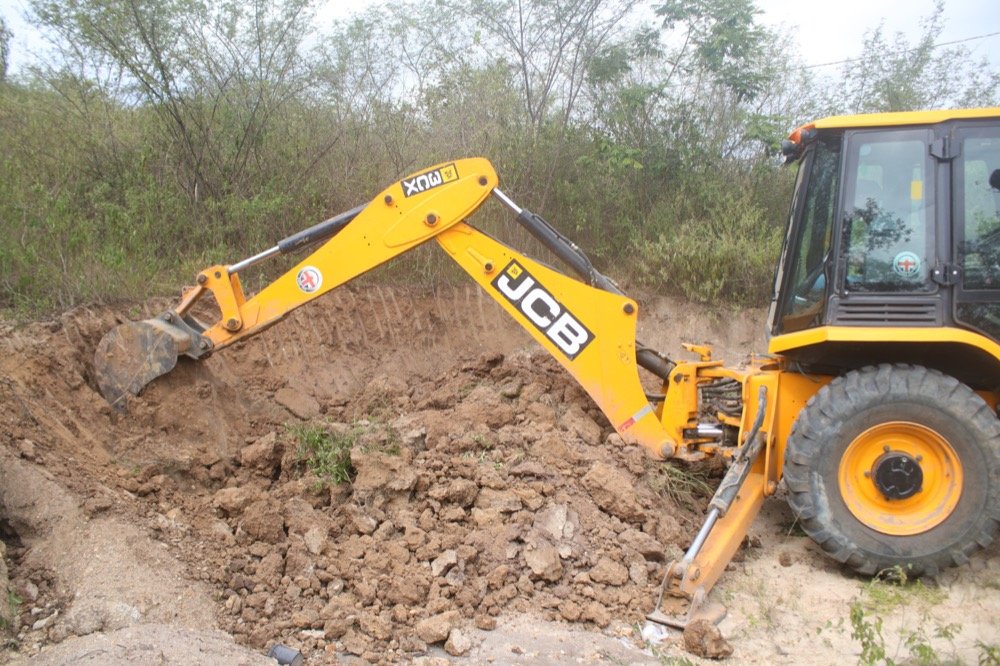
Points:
(485, 488)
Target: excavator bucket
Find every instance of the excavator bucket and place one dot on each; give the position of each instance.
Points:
(133, 354)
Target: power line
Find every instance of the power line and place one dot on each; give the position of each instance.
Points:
(933, 46)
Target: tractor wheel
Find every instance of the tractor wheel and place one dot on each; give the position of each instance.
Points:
(896, 465)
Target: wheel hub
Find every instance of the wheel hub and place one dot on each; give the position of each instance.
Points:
(900, 478)
(897, 475)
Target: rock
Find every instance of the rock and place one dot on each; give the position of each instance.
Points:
(300, 404)
(410, 590)
(570, 610)
(485, 622)
(504, 501)
(511, 388)
(642, 543)
(26, 448)
(262, 521)
(638, 574)
(438, 627)
(305, 618)
(376, 627)
(315, 540)
(554, 521)
(530, 468)
(703, 638)
(609, 572)
(458, 643)
(354, 642)
(543, 559)
(261, 454)
(361, 521)
(613, 492)
(575, 420)
(232, 500)
(462, 492)
(443, 562)
(381, 472)
(596, 613)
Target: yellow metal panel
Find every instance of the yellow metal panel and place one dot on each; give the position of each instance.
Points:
(401, 217)
(815, 336)
(794, 391)
(591, 332)
(903, 118)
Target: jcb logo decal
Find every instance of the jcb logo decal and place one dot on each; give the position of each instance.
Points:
(542, 310)
(429, 180)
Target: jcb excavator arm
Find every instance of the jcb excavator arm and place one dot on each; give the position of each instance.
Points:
(587, 324)
(589, 329)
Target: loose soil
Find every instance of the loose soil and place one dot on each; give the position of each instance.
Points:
(493, 513)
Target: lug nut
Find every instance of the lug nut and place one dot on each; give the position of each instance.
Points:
(432, 219)
(202, 278)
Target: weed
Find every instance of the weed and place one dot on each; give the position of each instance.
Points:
(892, 588)
(14, 602)
(669, 660)
(683, 485)
(327, 454)
(482, 440)
(868, 631)
(989, 655)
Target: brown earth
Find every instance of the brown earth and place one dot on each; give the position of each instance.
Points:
(494, 513)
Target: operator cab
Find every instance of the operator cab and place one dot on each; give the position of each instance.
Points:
(893, 238)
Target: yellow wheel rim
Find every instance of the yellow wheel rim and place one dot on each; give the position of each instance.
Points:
(929, 506)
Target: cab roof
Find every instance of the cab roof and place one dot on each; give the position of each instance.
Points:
(899, 118)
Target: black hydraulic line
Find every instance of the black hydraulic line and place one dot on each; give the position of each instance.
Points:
(318, 232)
(566, 250)
(740, 468)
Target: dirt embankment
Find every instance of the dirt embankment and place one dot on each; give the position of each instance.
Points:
(488, 491)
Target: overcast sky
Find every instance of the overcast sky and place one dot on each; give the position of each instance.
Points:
(824, 32)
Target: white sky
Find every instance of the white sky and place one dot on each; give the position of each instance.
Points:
(823, 32)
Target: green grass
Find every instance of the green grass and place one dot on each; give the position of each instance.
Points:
(326, 453)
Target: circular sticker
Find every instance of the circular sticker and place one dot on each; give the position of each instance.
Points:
(309, 279)
(906, 264)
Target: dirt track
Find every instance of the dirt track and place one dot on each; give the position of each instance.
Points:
(493, 505)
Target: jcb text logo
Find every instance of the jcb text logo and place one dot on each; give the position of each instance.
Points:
(542, 310)
(429, 180)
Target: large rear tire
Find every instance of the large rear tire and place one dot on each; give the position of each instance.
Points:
(896, 465)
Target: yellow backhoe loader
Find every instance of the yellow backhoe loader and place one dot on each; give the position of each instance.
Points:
(877, 404)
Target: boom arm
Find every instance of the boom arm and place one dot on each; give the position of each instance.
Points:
(590, 330)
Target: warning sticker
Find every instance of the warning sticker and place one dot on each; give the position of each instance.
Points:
(906, 264)
(309, 279)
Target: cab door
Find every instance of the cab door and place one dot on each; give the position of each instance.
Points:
(976, 223)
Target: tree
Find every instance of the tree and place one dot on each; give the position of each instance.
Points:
(5, 36)
(217, 73)
(897, 75)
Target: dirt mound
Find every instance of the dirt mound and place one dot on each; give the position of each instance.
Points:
(483, 481)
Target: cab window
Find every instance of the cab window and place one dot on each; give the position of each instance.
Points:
(888, 212)
(809, 252)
